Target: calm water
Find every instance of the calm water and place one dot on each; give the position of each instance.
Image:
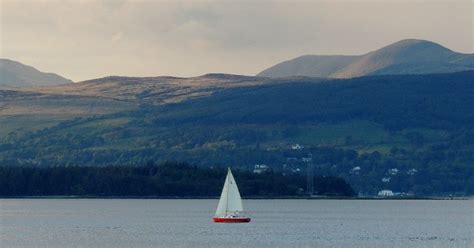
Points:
(275, 223)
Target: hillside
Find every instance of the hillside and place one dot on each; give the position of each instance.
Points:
(361, 129)
(15, 74)
(310, 66)
(150, 90)
(403, 57)
(31, 108)
(25, 111)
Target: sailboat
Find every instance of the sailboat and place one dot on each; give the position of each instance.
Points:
(230, 209)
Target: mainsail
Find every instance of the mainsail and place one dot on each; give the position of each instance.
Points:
(230, 201)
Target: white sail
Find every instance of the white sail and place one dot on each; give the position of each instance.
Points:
(230, 201)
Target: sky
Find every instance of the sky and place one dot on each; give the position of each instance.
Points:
(90, 39)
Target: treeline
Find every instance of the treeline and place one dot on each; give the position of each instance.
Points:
(170, 179)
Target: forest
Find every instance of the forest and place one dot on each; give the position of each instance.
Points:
(166, 180)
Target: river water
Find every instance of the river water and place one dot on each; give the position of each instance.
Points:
(275, 223)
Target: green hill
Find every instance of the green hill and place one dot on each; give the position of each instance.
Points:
(408, 133)
(32, 108)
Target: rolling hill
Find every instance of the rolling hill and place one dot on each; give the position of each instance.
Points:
(15, 74)
(25, 111)
(31, 108)
(150, 90)
(360, 129)
(403, 57)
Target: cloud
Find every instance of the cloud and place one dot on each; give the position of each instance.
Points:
(87, 39)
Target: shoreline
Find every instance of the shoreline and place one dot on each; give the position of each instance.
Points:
(245, 198)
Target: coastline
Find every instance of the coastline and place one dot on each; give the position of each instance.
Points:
(245, 198)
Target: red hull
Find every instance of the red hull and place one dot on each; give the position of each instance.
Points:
(231, 220)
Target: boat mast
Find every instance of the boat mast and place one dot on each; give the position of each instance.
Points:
(227, 191)
(310, 175)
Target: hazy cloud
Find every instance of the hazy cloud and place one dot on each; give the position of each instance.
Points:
(88, 39)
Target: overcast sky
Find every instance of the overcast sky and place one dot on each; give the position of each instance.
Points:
(89, 39)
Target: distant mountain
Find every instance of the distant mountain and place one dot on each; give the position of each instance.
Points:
(15, 74)
(310, 66)
(404, 57)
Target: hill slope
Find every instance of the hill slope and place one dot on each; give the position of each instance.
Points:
(361, 129)
(310, 66)
(150, 90)
(404, 57)
(15, 74)
(23, 111)
(31, 108)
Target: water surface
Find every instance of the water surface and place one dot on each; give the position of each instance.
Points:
(275, 223)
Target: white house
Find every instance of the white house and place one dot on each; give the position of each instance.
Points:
(260, 168)
(355, 170)
(386, 192)
(296, 147)
(393, 171)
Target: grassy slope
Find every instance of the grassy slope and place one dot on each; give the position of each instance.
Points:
(340, 114)
(23, 111)
(363, 136)
(33, 108)
(429, 116)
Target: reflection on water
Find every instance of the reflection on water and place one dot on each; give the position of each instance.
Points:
(275, 223)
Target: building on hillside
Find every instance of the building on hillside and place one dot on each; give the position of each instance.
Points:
(260, 168)
(386, 193)
(296, 170)
(296, 147)
(393, 171)
(355, 170)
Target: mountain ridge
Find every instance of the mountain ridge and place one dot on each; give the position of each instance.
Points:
(409, 56)
(16, 74)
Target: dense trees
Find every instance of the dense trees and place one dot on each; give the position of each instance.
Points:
(169, 179)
